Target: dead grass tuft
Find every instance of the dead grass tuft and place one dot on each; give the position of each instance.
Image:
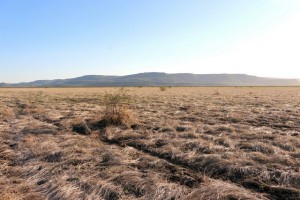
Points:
(82, 128)
(219, 190)
(135, 183)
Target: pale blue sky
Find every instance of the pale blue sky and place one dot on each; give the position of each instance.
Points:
(67, 38)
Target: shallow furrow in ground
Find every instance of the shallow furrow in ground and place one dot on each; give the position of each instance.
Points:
(222, 172)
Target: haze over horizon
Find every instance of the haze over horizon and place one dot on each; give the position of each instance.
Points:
(71, 38)
(141, 73)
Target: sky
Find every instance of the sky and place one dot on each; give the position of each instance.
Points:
(52, 39)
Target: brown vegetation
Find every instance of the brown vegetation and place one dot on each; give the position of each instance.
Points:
(183, 143)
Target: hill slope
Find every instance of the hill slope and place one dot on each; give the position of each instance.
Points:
(161, 79)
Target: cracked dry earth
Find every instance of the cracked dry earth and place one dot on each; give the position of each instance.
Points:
(188, 143)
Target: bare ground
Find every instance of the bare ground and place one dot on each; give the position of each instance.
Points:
(187, 143)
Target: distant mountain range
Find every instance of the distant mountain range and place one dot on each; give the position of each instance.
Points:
(160, 79)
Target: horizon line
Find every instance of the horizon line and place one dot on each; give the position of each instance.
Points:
(298, 79)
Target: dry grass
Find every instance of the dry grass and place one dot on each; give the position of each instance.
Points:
(219, 190)
(182, 143)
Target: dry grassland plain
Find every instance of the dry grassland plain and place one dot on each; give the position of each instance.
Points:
(186, 143)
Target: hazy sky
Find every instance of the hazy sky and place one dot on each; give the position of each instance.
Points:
(46, 39)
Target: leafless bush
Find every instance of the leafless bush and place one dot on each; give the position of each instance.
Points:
(118, 108)
(162, 88)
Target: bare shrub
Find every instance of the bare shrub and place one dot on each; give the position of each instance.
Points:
(162, 88)
(118, 108)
